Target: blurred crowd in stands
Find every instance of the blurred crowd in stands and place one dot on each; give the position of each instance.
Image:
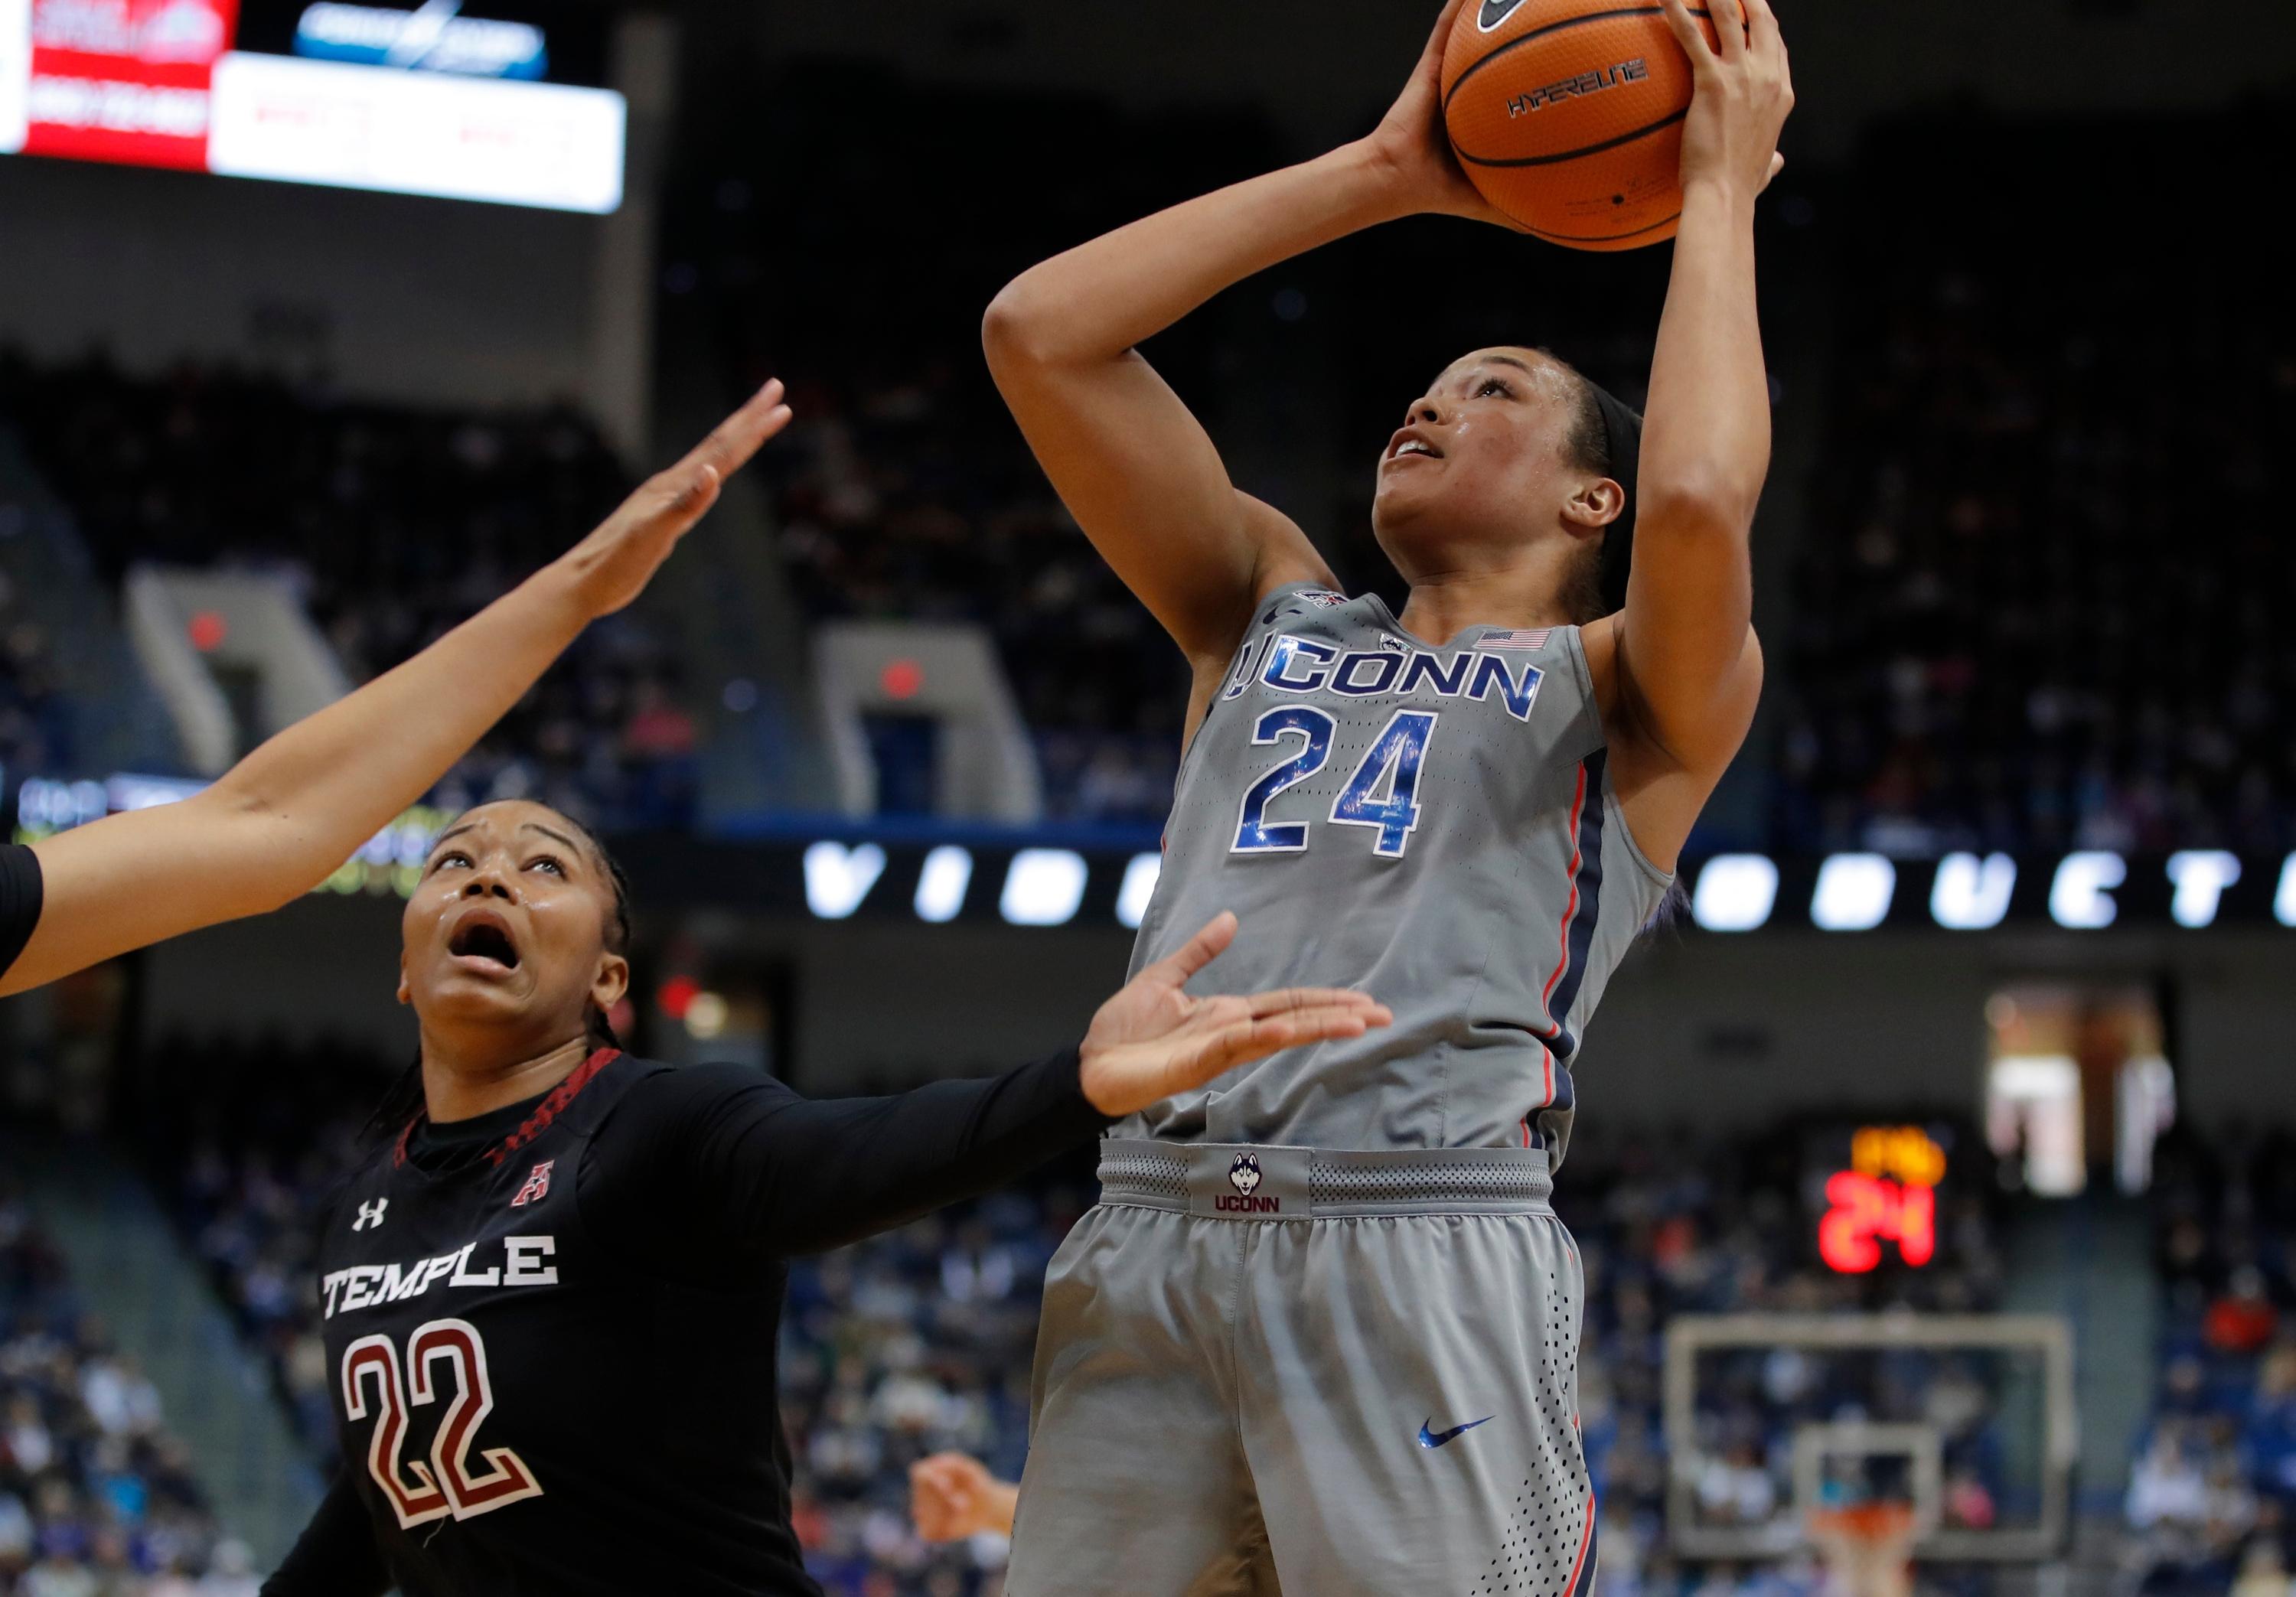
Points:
(31, 723)
(96, 1499)
(914, 499)
(2212, 1494)
(392, 524)
(2041, 598)
(903, 491)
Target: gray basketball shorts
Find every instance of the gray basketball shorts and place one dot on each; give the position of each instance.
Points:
(1268, 1369)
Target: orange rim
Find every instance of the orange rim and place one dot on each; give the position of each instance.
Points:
(1872, 1523)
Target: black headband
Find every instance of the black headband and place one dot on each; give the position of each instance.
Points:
(1624, 430)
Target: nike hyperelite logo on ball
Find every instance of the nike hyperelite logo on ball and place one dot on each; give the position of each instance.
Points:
(1494, 12)
(1436, 1439)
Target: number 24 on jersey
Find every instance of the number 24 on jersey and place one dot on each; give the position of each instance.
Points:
(1382, 795)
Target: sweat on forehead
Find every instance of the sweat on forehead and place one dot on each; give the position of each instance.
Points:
(1539, 365)
(540, 818)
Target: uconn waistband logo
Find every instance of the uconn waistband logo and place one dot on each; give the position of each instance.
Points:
(1243, 1176)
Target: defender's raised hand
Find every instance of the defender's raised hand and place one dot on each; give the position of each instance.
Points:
(613, 564)
(1153, 1040)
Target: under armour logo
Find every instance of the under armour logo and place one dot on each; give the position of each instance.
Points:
(536, 1187)
(370, 1215)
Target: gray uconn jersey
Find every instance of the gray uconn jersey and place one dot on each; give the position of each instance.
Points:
(1433, 825)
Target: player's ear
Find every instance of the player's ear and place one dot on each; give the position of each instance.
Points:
(1594, 506)
(610, 982)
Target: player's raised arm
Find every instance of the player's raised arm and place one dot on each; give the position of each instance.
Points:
(275, 824)
(1688, 668)
(1134, 466)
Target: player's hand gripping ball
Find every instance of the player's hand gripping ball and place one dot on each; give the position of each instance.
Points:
(1567, 115)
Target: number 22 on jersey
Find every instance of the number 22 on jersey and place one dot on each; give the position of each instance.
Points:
(420, 1493)
(1382, 795)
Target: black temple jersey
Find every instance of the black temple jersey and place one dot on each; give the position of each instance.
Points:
(553, 1343)
(20, 900)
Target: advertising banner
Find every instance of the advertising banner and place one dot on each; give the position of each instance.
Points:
(124, 81)
(15, 72)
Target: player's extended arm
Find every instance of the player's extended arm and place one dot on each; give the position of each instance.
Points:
(336, 1555)
(277, 822)
(1688, 668)
(769, 1171)
(1134, 466)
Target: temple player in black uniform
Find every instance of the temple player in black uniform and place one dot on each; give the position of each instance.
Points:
(551, 1297)
(275, 824)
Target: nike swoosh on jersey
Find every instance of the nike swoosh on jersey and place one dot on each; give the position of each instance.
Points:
(1436, 1439)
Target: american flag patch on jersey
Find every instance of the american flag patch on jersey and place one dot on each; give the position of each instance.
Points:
(1526, 641)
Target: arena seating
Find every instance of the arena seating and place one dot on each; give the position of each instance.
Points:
(2212, 1494)
(31, 726)
(904, 489)
(96, 1499)
(398, 523)
(2041, 599)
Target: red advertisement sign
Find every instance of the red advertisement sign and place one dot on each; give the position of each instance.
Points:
(124, 80)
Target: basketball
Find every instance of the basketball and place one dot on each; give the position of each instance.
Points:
(1567, 114)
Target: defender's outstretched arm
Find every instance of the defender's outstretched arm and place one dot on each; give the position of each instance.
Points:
(277, 822)
(1131, 463)
(1688, 668)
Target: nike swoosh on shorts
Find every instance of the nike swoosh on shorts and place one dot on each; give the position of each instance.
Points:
(1436, 1439)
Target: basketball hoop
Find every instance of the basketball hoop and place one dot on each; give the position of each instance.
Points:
(1868, 1547)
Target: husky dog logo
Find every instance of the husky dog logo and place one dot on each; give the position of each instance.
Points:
(1243, 1176)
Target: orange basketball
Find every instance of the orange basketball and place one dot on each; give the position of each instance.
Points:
(1568, 116)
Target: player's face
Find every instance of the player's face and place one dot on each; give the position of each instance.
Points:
(1477, 473)
(506, 935)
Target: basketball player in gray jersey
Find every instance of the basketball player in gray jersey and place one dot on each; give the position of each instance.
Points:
(1321, 1332)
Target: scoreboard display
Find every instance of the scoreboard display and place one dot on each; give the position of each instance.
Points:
(1873, 1190)
(425, 100)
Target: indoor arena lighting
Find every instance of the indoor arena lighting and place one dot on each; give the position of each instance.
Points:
(1140, 878)
(837, 878)
(940, 885)
(1853, 892)
(2284, 902)
(1971, 894)
(1044, 887)
(1734, 893)
(2081, 897)
(2201, 875)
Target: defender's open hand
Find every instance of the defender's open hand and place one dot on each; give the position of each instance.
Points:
(1153, 1040)
(612, 565)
